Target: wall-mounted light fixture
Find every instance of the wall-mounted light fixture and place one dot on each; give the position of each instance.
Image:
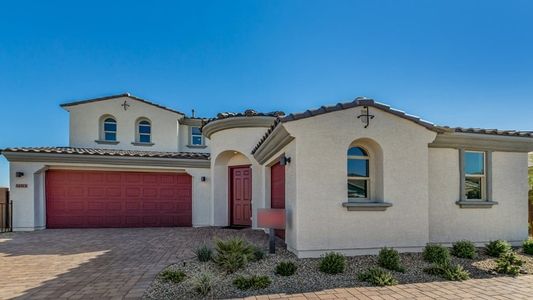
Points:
(284, 160)
(19, 174)
(203, 179)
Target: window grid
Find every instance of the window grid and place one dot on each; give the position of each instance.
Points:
(365, 179)
(472, 178)
(110, 129)
(144, 132)
(196, 137)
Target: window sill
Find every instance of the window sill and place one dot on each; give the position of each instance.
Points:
(142, 144)
(107, 142)
(366, 206)
(197, 146)
(476, 204)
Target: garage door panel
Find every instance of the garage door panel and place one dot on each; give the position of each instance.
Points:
(117, 199)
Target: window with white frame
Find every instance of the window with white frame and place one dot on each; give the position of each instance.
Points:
(358, 174)
(196, 138)
(475, 179)
(109, 129)
(144, 131)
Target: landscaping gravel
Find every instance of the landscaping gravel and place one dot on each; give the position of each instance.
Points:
(307, 278)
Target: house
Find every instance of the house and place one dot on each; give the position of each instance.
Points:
(353, 177)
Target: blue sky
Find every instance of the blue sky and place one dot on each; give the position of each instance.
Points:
(458, 63)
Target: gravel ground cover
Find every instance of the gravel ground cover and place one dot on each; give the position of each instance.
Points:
(307, 278)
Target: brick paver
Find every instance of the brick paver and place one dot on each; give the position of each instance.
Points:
(93, 263)
(121, 263)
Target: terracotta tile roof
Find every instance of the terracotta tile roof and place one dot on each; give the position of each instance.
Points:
(119, 96)
(110, 152)
(362, 101)
(246, 113)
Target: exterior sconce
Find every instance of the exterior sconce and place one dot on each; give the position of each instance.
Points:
(203, 179)
(19, 174)
(284, 160)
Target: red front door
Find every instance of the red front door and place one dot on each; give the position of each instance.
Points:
(277, 191)
(241, 196)
(81, 199)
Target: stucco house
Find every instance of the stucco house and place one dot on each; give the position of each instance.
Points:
(353, 177)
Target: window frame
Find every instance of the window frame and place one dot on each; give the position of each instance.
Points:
(367, 178)
(191, 135)
(104, 132)
(486, 178)
(138, 132)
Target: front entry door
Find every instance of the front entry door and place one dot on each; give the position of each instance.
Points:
(241, 196)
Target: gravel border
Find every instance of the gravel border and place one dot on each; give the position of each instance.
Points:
(308, 278)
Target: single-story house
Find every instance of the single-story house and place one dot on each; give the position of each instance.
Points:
(352, 177)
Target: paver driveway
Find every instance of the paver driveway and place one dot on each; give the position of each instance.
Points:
(92, 263)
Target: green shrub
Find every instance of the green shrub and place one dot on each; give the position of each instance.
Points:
(233, 254)
(286, 268)
(497, 248)
(204, 253)
(436, 254)
(254, 282)
(528, 246)
(509, 263)
(389, 258)
(333, 263)
(377, 276)
(203, 283)
(464, 249)
(258, 254)
(448, 271)
(175, 276)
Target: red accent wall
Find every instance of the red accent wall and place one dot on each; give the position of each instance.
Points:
(92, 199)
(277, 191)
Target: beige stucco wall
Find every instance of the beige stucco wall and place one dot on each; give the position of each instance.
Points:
(184, 141)
(323, 224)
(29, 206)
(507, 220)
(85, 124)
(226, 144)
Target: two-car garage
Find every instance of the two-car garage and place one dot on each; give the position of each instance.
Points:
(96, 199)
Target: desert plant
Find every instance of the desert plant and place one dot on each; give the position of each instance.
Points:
(254, 282)
(389, 258)
(175, 276)
(286, 268)
(333, 263)
(204, 253)
(464, 249)
(377, 276)
(497, 248)
(203, 283)
(233, 254)
(436, 254)
(448, 271)
(258, 253)
(528, 246)
(509, 263)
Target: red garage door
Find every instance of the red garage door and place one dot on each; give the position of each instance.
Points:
(82, 199)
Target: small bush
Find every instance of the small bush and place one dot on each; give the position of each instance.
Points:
(233, 254)
(436, 254)
(377, 276)
(258, 254)
(528, 246)
(286, 268)
(204, 253)
(333, 263)
(448, 271)
(497, 248)
(203, 283)
(253, 282)
(464, 249)
(509, 263)
(389, 258)
(175, 276)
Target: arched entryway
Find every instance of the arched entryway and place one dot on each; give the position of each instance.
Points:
(232, 189)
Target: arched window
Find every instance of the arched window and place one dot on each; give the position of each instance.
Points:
(109, 129)
(144, 131)
(358, 174)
